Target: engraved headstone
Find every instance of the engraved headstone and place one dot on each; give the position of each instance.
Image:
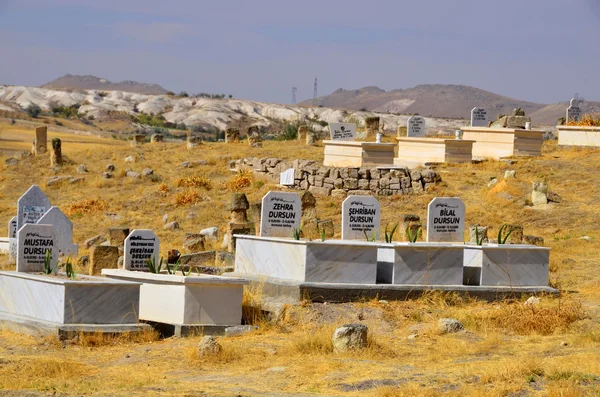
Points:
(415, 127)
(574, 111)
(479, 117)
(342, 131)
(286, 178)
(360, 215)
(141, 245)
(446, 220)
(64, 229)
(33, 242)
(12, 238)
(280, 214)
(12, 227)
(31, 206)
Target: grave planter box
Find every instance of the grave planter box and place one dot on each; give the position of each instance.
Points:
(357, 154)
(186, 301)
(414, 152)
(578, 136)
(332, 261)
(420, 264)
(503, 142)
(506, 265)
(61, 301)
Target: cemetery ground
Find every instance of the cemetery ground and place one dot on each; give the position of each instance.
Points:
(508, 348)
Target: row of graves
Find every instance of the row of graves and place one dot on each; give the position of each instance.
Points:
(45, 295)
(577, 135)
(512, 136)
(360, 264)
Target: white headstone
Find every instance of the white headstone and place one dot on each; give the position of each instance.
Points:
(64, 228)
(31, 206)
(33, 242)
(360, 215)
(574, 111)
(12, 227)
(446, 220)
(141, 245)
(280, 214)
(342, 131)
(287, 177)
(415, 126)
(479, 117)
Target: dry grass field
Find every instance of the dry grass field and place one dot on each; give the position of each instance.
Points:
(508, 348)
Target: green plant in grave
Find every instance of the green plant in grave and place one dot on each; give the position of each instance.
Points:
(322, 232)
(296, 232)
(176, 265)
(389, 237)
(69, 269)
(502, 237)
(153, 266)
(372, 238)
(412, 237)
(479, 237)
(48, 268)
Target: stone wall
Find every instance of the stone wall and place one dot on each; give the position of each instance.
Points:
(331, 181)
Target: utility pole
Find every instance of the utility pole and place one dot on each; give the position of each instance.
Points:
(315, 94)
(294, 89)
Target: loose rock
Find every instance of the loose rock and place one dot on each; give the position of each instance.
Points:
(130, 159)
(96, 240)
(82, 169)
(350, 337)
(172, 226)
(208, 346)
(449, 325)
(211, 233)
(147, 172)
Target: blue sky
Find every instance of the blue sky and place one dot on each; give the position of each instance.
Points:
(537, 50)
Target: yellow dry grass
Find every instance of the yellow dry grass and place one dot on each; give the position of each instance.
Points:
(552, 349)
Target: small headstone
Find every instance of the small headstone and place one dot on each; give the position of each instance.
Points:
(33, 242)
(40, 145)
(280, 214)
(12, 238)
(286, 178)
(574, 111)
(479, 117)
(103, 257)
(446, 220)
(415, 127)
(56, 158)
(31, 206)
(117, 235)
(140, 245)
(12, 227)
(64, 230)
(342, 131)
(360, 215)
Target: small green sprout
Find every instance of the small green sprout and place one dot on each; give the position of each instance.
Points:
(503, 237)
(389, 237)
(48, 268)
(412, 237)
(152, 266)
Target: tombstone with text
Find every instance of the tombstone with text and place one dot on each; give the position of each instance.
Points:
(361, 215)
(342, 131)
(12, 227)
(280, 214)
(446, 220)
(12, 238)
(574, 111)
(141, 245)
(33, 242)
(64, 228)
(479, 117)
(286, 178)
(31, 206)
(415, 127)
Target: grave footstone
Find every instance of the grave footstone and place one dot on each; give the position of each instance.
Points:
(415, 127)
(141, 245)
(479, 117)
(40, 144)
(360, 215)
(280, 214)
(286, 178)
(31, 206)
(56, 158)
(32, 243)
(342, 131)
(64, 228)
(446, 220)
(574, 111)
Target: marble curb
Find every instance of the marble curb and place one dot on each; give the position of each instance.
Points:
(82, 279)
(141, 277)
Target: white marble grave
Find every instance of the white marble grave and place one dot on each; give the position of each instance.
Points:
(280, 214)
(423, 263)
(32, 205)
(479, 117)
(64, 229)
(415, 127)
(141, 245)
(342, 131)
(286, 178)
(446, 220)
(32, 243)
(360, 215)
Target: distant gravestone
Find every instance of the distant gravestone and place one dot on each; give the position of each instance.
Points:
(64, 229)
(415, 127)
(12, 238)
(360, 215)
(33, 242)
(31, 206)
(12, 227)
(286, 178)
(342, 131)
(479, 117)
(141, 245)
(574, 111)
(280, 214)
(446, 220)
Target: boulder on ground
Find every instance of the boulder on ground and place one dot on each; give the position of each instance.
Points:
(209, 346)
(449, 325)
(350, 337)
(96, 240)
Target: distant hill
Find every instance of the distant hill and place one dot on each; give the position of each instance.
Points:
(70, 81)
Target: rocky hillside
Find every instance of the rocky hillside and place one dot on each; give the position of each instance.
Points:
(70, 81)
